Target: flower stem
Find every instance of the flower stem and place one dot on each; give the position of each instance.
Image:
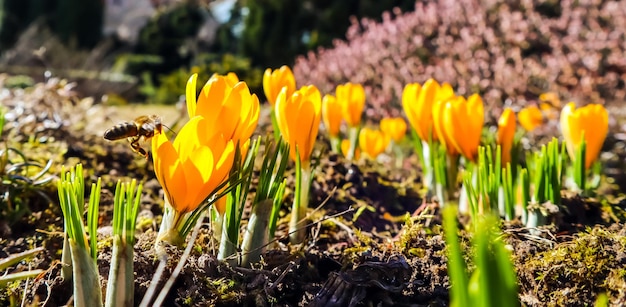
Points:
(335, 144)
(256, 234)
(297, 231)
(354, 141)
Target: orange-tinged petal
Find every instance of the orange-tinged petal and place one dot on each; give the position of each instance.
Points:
(274, 81)
(395, 128)
(163, 154)
(212, 98)
(248, 114)
(229, 116)
(220, 205)
(303, 123)
(596, 129)
(439, 127)
(305, 119)
(240, 114)
(168, 171)
(506, 133)
(176, 187)
(476, 118)
(194, 181)
(351, 96)
(450, 123)
(331, 115)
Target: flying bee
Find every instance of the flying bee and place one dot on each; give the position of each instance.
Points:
(141, 127)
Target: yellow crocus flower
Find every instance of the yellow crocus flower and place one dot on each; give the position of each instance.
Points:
(298, 119)
(530, 118)
(506, 133)
(373, 142)
(593, 121)
(193, 166)
(463, 122)
(331, 115)
(351, 96)
(230, 109)
(274, 81)
(394, 127)
(417, 102)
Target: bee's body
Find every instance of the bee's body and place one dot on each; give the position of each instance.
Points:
(143, 126)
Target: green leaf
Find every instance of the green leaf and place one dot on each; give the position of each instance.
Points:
(580, 175)
(457, 269)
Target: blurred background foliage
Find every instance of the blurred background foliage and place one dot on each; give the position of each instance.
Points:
(176, 39)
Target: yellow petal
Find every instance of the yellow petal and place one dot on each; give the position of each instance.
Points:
(506, 133)
(187, 139)
(212, 98)
(176, 185)
(190, 95)
(267, 87)
(409, 103)
(168, 171)
(331, 115)
(596, 129)
(280, 109)
(223, 165)
(248, 114)
(439, 127)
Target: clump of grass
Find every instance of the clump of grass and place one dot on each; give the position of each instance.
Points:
(21, 179)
